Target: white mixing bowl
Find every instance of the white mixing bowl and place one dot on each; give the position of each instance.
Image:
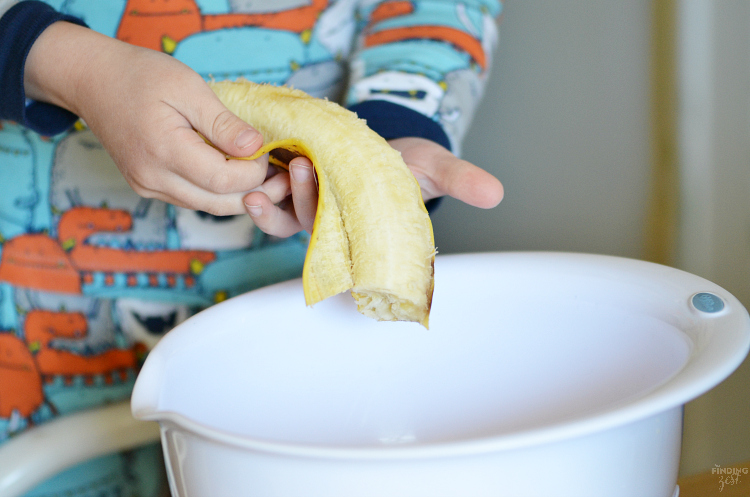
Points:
(542, 374)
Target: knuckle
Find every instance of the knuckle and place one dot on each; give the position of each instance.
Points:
(142, 181)
(222, 123)
(266, 222)
(221, 206)
(220, 183)
(214, 210)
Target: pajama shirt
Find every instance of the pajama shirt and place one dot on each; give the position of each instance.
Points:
(91, 274)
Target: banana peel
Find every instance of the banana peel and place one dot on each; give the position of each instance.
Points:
(372, 233)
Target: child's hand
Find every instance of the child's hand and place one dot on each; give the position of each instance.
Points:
(440, 173)
(145, 107)
(287, 202)
(437, 170)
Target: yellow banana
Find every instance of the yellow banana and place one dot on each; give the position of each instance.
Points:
(372, 234)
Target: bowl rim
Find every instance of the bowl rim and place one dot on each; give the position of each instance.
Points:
(686, 384)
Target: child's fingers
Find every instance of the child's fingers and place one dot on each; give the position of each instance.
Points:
(276, 187)
(439, 173)
(208, 168)
(466, 182)
(180, 192)
(270, 218)
(304, 191)
(221, 127)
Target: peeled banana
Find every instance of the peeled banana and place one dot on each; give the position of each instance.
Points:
(372, 234)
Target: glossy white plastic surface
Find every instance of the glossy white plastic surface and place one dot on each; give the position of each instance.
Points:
(37, 454)
(541, 374)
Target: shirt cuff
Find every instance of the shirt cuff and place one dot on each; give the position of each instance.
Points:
(19, 29)
(392, 121)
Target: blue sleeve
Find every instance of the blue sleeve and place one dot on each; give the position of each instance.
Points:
(19, 28)
(391, 121)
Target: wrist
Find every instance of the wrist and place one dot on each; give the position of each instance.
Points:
(56, 64)
(20, 28)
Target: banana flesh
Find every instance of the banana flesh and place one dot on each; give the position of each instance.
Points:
(372, 234)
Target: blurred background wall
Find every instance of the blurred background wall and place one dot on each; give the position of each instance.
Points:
(622, 128)
(564, 125)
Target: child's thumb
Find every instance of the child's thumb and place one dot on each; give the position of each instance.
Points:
(229, 133)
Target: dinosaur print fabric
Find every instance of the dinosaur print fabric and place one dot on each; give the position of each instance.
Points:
(91, 274)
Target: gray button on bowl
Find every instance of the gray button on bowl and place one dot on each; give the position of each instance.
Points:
(707, 302)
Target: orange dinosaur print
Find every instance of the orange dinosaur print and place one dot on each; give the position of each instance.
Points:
(148, 23)
(391, 9)
(79, 223)
(37, 261)
(41, 327)
(22, 372)
(20, 383)
(456, 37)
(54, 362)
(40, 262)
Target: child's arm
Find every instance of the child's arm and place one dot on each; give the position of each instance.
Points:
(20, 25)
(145, 107)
